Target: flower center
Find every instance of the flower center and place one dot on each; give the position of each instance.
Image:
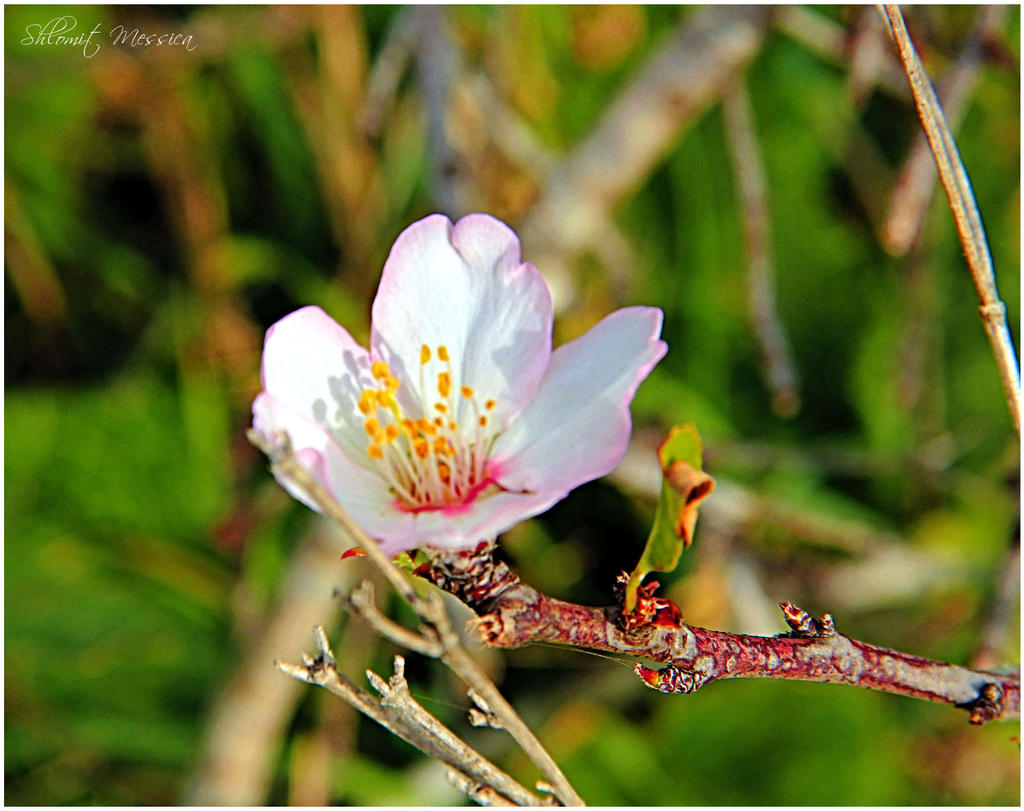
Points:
(430, 462)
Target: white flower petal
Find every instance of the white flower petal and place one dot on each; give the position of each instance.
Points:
(463, 287)
(577, 426)
(360, 491)
(313, 366)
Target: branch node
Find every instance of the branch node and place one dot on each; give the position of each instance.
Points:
(484, 719)
(296, 672)
(987, 706)
(323, 646)
(474, 576)
(377, 683)
(479, 793)
(806, 626)
(482, 715)
(549, 790)
(673, 679)
(994, 312)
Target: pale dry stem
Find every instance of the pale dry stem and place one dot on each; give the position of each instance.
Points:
(401, 715)
(480, 794)
(965, 212)
(914, 188)
(436, 626)
(748, 171)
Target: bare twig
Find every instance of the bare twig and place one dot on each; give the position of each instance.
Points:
(401, 715)
(1001, 611)
(916, 182)
(965, 212)
(682, 78)
(429, 609)
(478, 792)
(247, 719)
(456, 657)
(435, 62)
(510, 132)
(828, 40)
(870, 58)
(386, 73)
(750, 182)
(361, 603)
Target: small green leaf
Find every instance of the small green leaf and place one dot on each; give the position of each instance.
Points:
(411, 562)
(683, 486)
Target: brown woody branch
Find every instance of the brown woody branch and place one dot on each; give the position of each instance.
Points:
(518, 615)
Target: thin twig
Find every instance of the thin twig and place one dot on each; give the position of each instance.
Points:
(401, 715)
(869, 59)
(361, 603)
(965, 212)
(1001, 612)
(435, 67)
(827, 39)
(680, 80)
(915, 185)
(429, 609)
(395, 694)
(753, 197)
(508, 129)
(478, 792)
(387, 70)
(236, 762)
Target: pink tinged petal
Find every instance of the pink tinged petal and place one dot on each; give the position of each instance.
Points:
(313, 366)
(464, 528)
(577, 427)
(464, 287)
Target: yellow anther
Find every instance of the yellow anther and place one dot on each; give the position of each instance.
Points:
(421, 447)
(444, 472)
(467, 392)
(378, 437)
(372, 426)
(374, 452)
(425, 426)
(424, 354)
(442, 353)
(392, 383)
(453, 426)
(490, 404)
(367, 400)
(482, 420)
(379, 369)
(441, 407)
(386, 399)
(441, 446)
(444, 384)
(391, 432)
(408, 425)
(438, 422)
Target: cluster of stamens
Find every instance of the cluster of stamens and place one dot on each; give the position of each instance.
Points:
(429, 462)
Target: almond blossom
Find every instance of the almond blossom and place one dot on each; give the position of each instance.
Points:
(459, 421)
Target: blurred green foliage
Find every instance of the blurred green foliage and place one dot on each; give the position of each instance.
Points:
(164, 207)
